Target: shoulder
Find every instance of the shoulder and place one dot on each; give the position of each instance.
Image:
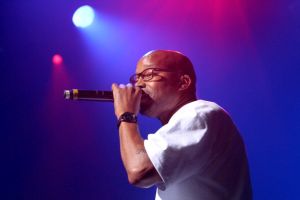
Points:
(199, 109)
(195, 115)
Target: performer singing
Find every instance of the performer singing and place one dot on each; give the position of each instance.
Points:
(198, 152)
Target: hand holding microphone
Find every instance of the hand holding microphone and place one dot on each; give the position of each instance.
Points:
(127, 98)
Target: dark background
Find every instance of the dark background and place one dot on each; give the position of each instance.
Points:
(247, 58)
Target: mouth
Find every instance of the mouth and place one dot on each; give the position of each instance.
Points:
(145, 95)
(146, 102)
(145, 98)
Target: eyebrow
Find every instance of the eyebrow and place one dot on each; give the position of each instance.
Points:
(148, 66)
(155, 67)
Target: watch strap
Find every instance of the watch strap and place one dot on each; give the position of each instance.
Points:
(127, 117)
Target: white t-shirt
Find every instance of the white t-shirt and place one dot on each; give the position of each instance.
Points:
(199, 154)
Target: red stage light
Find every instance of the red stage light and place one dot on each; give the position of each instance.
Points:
(57, 59)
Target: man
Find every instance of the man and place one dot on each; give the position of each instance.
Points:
(197, 153)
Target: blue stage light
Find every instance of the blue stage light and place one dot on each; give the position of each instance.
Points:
(83, 16)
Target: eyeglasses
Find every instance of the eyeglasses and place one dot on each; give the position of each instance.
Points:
(147, 74)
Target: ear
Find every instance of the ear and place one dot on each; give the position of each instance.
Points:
(185, 82)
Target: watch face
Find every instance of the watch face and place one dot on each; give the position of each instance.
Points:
(128, 117)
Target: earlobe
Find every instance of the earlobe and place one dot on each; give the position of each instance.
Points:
(185, 82)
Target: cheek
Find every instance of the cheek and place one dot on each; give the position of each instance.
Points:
(154, 89)
(160, 91)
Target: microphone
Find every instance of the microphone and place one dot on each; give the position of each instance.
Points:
(89, 95)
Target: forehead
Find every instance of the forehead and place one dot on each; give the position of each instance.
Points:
(144, 63)
(153, 61)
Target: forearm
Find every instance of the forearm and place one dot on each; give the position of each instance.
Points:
(133, 152)
(139, 168)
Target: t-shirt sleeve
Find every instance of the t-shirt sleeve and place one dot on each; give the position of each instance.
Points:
(182, 147)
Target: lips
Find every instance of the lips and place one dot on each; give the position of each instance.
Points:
(146, 102)
(144, 95)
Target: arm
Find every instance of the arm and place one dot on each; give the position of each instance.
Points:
(138, 166)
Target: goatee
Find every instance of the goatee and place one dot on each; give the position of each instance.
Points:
(146, 103)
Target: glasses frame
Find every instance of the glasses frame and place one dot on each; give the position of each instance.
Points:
(135, 77)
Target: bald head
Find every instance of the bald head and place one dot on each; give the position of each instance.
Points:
(173, 60)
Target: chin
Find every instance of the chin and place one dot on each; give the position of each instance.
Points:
(146, 106)
(147, 110)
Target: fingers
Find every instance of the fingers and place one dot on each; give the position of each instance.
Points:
(123, 86)
(125, 90)
(114, 86)
(126, 98)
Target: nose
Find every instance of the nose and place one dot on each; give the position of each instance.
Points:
(140, 83)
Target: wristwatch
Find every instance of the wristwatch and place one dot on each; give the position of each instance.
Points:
(127, 117)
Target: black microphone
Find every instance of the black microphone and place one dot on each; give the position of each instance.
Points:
(89, 95)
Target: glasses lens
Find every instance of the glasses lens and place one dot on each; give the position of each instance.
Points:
(147, 74)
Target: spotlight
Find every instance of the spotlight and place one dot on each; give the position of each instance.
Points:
(57, 59)
(83, 16)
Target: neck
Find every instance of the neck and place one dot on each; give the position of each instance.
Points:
(165, 117)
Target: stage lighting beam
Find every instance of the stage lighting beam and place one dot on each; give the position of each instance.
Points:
(83, 16)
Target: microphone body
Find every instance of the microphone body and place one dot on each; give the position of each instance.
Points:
(89, 95)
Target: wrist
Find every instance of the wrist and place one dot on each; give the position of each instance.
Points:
(127, 117)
